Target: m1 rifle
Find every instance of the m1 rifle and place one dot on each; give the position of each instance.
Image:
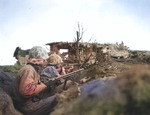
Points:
(66, 77)
(69, 74)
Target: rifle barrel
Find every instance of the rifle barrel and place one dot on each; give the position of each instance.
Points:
(69, 74)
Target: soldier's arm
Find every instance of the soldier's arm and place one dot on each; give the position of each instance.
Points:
(28, 87)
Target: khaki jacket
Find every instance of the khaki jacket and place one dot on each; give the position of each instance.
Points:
(27, 83)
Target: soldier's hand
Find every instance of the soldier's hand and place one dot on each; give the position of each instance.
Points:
(50, 82)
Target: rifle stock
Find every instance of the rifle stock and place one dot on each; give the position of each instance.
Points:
(46, 79)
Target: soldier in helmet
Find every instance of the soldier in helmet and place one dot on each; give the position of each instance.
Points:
(56, 60)
(27, 86)
(54, 69)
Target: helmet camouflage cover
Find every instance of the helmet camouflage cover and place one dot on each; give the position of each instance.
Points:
(38, 52)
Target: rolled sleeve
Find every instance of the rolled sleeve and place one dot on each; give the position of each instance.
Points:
(29, 86)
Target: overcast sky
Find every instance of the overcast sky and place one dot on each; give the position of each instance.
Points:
(26, 23)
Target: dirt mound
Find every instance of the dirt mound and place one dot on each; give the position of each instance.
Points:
(6, 94)
(6, 82)
(127, 94)
(114, 89)
(6, 105)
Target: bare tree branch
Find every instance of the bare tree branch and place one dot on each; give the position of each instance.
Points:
(75, 39)
(90, 38)
(77, 36)
(81, 35)
(79, 27)
(72, 47)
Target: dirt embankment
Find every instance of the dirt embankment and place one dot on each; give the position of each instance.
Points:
(112, 93)
(6, 93)
(126, 94)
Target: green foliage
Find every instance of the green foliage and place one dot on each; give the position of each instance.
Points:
(94, 46)
(9, 68)
(96, 71)
(121, 47)
(147, 58)
(133, 54)
(6, 68)
(23, 53)
(97, 107)
(140, 54)
(17, 66)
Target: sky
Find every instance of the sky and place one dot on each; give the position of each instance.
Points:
(28, 23)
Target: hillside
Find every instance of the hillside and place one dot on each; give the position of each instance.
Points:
(107, 72)
(110, 96)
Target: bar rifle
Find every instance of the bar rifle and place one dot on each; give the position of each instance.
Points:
(66, 76)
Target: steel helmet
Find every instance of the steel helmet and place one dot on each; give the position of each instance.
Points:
(54, 59)
(38, 52)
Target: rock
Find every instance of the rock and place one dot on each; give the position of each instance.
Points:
(6, 105)
(6, 82)
(6, 94)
